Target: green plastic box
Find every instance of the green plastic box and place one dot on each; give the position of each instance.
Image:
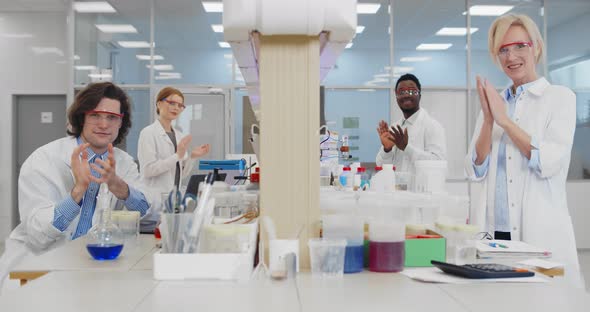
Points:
(419, 251)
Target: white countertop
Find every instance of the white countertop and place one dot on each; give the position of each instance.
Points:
(77, 291)
(137, 291)
(73, 256)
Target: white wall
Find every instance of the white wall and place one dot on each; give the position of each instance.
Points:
(25, 72)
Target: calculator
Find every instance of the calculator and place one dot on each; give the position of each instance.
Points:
(482, 270)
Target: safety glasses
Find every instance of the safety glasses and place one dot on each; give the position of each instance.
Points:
(96, 116)
(518, 48)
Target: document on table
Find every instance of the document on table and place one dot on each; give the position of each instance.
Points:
(434, 275)
(509, 249)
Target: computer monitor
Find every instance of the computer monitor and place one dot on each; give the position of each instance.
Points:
(193, 183)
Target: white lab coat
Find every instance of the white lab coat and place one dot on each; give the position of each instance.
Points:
(157, 160)
(426, 141)
(45, 180)
(537, 200)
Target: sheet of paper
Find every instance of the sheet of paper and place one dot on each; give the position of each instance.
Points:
(434, 275)
(544, 264)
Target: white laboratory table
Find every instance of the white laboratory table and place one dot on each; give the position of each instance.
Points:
(64, 291)
(130, 286)
(368, 291)
(525, 297)
(135, 290)
(219, 296)
(73, 256)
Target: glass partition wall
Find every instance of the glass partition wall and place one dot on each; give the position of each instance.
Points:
(145, 45)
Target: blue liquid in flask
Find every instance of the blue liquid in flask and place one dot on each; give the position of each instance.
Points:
(104, 252)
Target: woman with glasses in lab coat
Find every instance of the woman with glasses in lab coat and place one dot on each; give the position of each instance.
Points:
(520, 151)
(163, 151)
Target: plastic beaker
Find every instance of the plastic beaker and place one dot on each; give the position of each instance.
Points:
(277, 249)
(327, 257)
(465, 250)
(172, 229)
(386, 246)
(403, 181)
(350, 228)
(127, 221)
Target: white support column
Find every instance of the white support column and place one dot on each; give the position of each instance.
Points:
(290, 96)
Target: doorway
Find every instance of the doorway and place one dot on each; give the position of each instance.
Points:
(39, 119)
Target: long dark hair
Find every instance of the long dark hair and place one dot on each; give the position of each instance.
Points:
(88, 99)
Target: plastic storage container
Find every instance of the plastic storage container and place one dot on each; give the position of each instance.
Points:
(430, 176)
(350, 228)
(327, 257)
(384, 180)
(403, 181)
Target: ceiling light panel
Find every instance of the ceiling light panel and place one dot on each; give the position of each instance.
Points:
(367, 8)
(85, 67)
(415, 59)
(455, 31)
(117, 28)
(433, 46)
(489, 10)
(94, 7)
(161, 67)
(134, 44)
(218, 28)
(213, 7)
(148, 57)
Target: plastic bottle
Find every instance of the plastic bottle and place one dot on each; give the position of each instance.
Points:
(356, 181)
(345, 149)
(384, 180)
(345, 177)
(354, 167)
(254, 180)
(365, 183)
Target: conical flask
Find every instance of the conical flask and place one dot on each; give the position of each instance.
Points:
(105, 239)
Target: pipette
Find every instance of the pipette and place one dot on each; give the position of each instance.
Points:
(199, 215)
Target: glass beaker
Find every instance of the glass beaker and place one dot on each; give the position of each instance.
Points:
(105, 239)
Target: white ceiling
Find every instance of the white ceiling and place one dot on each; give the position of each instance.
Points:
(183, 24)
(32, 5)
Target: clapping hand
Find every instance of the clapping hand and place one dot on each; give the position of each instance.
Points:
(385, 136)
(400, 137)
(495, 104)
(200, 150)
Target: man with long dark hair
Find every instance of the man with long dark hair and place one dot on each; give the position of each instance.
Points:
(59, 182)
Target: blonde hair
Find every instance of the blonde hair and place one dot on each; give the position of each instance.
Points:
(501, 25)
(166, 92)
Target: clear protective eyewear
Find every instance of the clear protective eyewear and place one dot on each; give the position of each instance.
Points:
(518, 48)
(174, 104)
(96, 116)
(408, 91)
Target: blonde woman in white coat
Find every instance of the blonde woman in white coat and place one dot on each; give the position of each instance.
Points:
(163, 154)
(520, 151)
